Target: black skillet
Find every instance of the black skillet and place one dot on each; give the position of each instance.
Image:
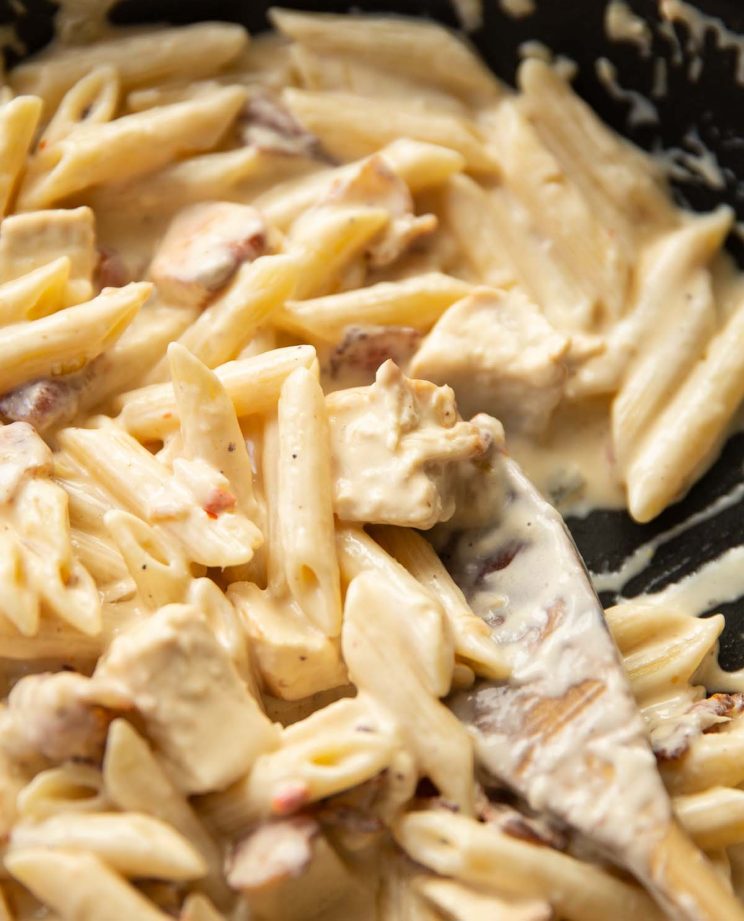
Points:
(712, 104)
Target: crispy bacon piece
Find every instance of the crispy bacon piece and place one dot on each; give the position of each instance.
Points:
(219, 500)
(268, 126)
(672, 738)
(365, 348)
(111, 271)
(204, 247)
(50, 401)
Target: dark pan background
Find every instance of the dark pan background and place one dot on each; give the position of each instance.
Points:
(713, 104)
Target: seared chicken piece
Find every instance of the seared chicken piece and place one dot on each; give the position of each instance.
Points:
(195, 707)
(203, 248)
(375, 184)
(33, 239)
(267, 125)
(500, 355)
(394, 445)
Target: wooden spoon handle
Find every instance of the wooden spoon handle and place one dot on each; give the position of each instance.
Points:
(687, 882)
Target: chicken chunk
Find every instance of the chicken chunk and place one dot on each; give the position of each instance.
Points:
(195, 707)
(375, 184)
(395, 447)
(267, 125)
(30, 240)
(58, 717)
(500, 355)
(203, 248)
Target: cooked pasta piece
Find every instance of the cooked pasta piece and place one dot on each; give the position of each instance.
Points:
(253, 384)
(126, 147)
(190, 52)
(18, 120)
(77, 884)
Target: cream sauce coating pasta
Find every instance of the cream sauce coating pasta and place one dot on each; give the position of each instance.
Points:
(257, 296)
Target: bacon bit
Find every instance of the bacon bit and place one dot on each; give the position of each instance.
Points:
(49, 401)
(219, 500)
(365, 348)
(289, 796)
(267, 125)
(111, 271)
(501, 559)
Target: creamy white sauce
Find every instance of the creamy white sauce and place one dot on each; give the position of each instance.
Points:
(642, 556)
(642, 110)
(699, 26)
(693, 162)
(572, 464)
(623, 25)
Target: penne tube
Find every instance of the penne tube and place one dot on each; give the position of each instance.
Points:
(91, 101)
(713, 760)
(209, 426)
(372, 636)
(36, 294)
(592, 253)
(253, 385)
(623, 184)
(419, 164)
(713, 818)
(685, 436)
(334, 749)
(472, 639)
(127, 147)
(200, 178)
(145, 487)
(68, 339)
(260, 287)
(160, 573)
(482, 855)
(352, 126)
(189, 52)
(305, 502)
(422, 50)
(18, 121)
(428, 629)
(663, 359)
(663, 269)
(76, 885)
(136, 781)
(325, 240)
(418, 302)
(131, 843)
(465, 903)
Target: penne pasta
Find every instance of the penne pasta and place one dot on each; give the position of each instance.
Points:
(67, 340)
(191, 51)
(305, 502)
(127, 147)
(253, 385)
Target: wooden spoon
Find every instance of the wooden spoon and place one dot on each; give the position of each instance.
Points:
(564, 731)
